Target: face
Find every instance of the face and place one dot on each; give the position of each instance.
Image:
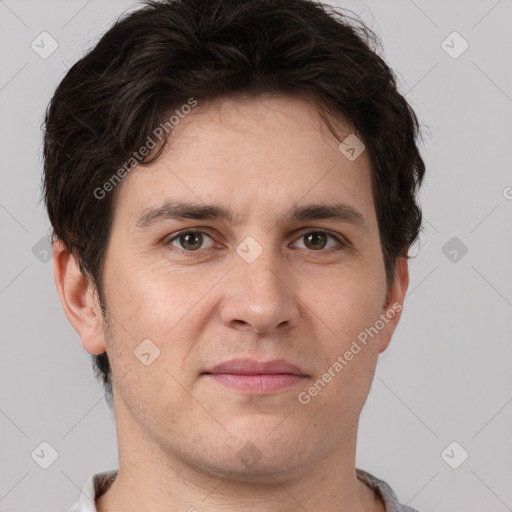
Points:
(262, 276)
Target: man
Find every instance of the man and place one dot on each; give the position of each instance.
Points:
(232, 190)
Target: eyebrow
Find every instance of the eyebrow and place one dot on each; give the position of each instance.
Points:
(171, 210)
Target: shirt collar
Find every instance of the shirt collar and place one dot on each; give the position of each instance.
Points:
(98, 483)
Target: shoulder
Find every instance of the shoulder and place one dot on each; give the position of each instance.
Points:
(96, 485)
(387, 494)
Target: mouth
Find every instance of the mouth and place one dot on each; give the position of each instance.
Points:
(260, 377)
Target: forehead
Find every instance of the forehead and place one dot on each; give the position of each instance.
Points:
(258, 155)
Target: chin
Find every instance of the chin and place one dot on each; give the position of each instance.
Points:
(263, 451)
(279, 468)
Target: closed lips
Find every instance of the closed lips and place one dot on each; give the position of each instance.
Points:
(253, 367)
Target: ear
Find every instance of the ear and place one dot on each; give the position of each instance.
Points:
(79, 299)
(394, 302)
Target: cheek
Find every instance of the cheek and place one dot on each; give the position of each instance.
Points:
(147, 301)
(153, 328)
(348, 308)
(148, 350)
(348, 302)
(343, 382)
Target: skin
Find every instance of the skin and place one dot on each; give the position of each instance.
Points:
(179, 432)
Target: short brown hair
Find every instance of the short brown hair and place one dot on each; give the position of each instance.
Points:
(156, 58)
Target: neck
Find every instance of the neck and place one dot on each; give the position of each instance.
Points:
(151, 479)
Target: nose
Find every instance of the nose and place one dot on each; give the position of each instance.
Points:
(259, 296)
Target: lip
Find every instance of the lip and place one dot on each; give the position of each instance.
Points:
(247, 366)
(254, 376)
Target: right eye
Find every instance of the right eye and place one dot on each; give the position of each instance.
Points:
(189, 240)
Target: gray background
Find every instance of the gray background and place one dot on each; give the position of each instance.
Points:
(446, 375)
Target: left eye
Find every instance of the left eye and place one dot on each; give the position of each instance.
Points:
(316, 238)
(192, 241)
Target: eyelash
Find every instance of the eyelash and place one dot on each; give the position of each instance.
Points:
(342, 243)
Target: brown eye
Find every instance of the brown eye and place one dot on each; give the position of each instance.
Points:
(318, 240)
(315, 240)
(189, 240)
